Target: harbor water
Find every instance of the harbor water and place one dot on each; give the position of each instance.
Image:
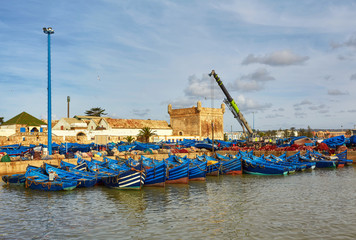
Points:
(319, 204)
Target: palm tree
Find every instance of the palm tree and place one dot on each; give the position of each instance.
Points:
(309, 132)
(146, 133)
(97, 111)
(129, 139)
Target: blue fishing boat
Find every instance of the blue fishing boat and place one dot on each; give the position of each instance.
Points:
(82, 181)
(256, 166)
(207, 146)
(127, 178)
(82, 170)
(292, 167)
(178, 170)
(295, 158)
(342, 158)
(99, 167)
(197, 170)
(213, 165)
(37, 180)
(14, 179)
(156, 172)
(320, 161)
(15, 149)
(229, 165)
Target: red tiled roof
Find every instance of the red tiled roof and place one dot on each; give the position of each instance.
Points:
(137, 123)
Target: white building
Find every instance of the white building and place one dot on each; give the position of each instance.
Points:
(109, 127)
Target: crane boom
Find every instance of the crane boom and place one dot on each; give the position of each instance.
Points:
(230, 102)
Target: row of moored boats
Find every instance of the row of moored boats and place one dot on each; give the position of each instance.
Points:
(133, 174)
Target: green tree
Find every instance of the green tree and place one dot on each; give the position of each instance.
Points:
(309, 133)
(1, 120)
(273, 133)
(260, 133)
(97, 111)
(286, 133)
(145, 133)
(292, 129)
(129, 139)
(301, 132)
(225, 137)
(348, 132)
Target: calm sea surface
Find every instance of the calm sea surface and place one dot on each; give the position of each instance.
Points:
(319, 204)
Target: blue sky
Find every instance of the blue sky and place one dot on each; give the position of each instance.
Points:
(287, 63)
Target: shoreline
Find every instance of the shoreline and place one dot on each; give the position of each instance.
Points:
(10, 168)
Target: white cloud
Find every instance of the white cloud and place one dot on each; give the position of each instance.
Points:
(245, 86)
(252, 82)
(260, 75)
(304, 102)
(350, 42)
(250, 105)
(279, 58)
(204, 87)
(141, 112)
(336, 92)
(353, 76)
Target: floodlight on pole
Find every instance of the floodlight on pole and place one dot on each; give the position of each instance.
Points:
(49, 31)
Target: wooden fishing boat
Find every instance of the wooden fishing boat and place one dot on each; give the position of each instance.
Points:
(127, 178)
(295, 158)
(256, 167)
(156, 172)
(342, 158)
(197, 170)
(37, 180)
(14, 179)
(229, 166)
(178, 170)
(213, 165)
(320, 161)
(82, 181)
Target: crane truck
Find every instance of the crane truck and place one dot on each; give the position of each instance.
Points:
(230, 102)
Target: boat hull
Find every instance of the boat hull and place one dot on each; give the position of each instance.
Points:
(183, 180)
(156, 176)
(179, 174)
(197, 172)
(45, 185)
(133, 178)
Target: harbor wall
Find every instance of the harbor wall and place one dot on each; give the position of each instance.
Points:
(8, 168)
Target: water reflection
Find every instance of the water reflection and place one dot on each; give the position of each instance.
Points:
(308, 205)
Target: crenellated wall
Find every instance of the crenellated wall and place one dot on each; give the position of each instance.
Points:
(197, 121)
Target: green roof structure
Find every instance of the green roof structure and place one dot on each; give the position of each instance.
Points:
(24, 119)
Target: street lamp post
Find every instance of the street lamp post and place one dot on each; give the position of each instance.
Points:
(49, 31)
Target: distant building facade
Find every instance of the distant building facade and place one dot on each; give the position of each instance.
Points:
(197, 121)
(113, 129)
(21, 124)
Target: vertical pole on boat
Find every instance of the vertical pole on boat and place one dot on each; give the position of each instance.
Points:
(49, 31)
(212, 129)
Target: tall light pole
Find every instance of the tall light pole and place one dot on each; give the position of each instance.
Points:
(49, 31)
(68, 100)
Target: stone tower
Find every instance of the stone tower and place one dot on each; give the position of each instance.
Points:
(197, 121)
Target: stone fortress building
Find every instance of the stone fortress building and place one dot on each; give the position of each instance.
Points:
(197, 121)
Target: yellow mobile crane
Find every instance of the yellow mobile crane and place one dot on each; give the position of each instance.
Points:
(230, 102)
